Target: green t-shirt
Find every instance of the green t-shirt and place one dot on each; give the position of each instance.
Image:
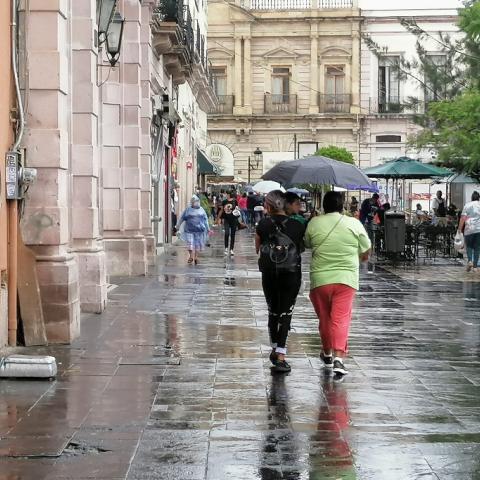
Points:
(336, 260)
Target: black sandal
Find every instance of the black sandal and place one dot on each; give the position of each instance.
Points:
(190, 260)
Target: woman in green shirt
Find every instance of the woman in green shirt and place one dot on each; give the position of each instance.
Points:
(338, 244)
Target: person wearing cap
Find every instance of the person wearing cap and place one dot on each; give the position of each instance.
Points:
(369, 209)
(196, 229)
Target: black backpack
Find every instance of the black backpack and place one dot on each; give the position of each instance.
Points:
(279, 252)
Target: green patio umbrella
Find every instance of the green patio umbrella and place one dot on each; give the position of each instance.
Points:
(406, 168)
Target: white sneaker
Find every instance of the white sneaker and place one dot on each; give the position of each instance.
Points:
(226, 251)
(232, 253)
(469, 266)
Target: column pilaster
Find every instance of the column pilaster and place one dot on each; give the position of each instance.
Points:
(87, 240)
(314, 87)
(247, 81)
(125, 243)
(46, 224)
(355, 70)
(238, 76)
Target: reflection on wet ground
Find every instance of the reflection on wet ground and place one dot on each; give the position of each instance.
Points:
(173, 382)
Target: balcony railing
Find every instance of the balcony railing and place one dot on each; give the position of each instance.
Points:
(170, 11)
(335, 4)
(176, 11)
(396, 106)
(280, 103)
(224, 106)
(296, 4)
(331, 103)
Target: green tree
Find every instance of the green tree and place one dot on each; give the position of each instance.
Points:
(336, 153)
(451, 118)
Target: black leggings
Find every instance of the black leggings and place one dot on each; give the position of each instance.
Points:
(230, 231)
(281, 290)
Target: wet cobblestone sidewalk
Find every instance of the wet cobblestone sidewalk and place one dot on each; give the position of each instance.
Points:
(173, 382)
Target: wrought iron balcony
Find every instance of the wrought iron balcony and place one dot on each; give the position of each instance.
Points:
(224, 106)
(280, 103)
(397, 106)
(173, 37)
(170, 11)
(331, 103)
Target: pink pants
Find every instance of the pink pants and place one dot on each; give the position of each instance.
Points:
(333, 305)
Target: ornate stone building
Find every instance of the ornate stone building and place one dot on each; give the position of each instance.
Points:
(109, 144)
(287, 75)
(387, 120)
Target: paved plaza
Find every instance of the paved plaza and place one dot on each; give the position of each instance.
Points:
(173, 382)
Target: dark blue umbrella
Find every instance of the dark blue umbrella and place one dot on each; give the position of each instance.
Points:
(316, 170)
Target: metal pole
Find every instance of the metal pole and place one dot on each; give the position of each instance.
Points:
(294, 146)
(249, 169)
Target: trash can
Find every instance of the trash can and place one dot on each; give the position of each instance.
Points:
(395, 232)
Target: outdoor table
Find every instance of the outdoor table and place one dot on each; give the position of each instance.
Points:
(421, 241)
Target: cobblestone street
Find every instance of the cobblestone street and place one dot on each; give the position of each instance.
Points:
(173, 382)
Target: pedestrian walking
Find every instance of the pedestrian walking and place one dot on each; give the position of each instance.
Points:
(279, 243)
(193, 228)
(470, 227)
(338, 242)
(229, 213)
(251, 202)
(242, 204)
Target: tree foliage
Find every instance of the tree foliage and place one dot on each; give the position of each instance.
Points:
(451, 117)
(336, 153)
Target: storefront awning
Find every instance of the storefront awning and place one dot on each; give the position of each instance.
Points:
(204, 165)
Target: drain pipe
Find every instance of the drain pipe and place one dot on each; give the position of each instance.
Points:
(21, 113)
(13, 204)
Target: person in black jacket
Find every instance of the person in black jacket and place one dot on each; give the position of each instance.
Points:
(279, 287)
(251, 202)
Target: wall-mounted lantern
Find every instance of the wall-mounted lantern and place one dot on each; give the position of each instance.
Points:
(114, 38)
(105, 11)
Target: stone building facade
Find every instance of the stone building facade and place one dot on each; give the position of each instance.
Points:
(107, 143)
(287, 75)
(386, 122)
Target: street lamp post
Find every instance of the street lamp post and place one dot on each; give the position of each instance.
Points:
(257, 156)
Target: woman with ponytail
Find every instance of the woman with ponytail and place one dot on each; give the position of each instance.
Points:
(279, 241)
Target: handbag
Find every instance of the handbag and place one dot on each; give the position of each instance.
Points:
(459, 243)
(236, 212)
